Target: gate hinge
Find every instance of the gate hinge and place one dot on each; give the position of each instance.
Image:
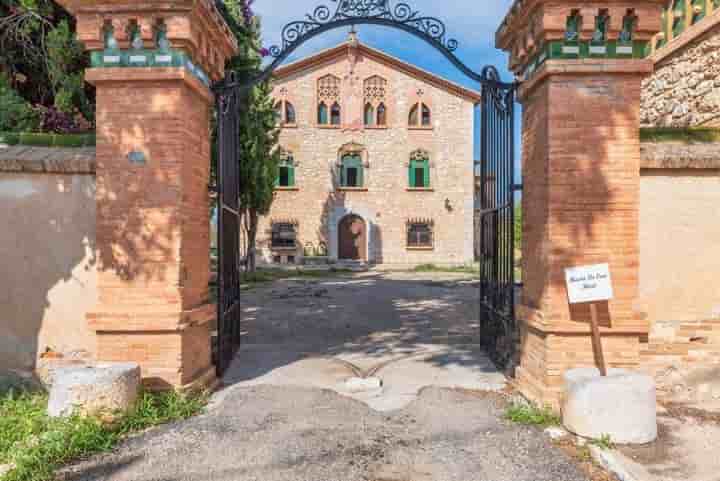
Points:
(517, 187)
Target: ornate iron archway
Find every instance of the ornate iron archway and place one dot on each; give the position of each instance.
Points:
(495, 196)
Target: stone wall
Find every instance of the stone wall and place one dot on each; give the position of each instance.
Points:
(684, 91)
(47, 246)
(386, 202)
(679, 238)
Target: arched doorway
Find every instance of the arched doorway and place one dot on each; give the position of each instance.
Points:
(352, 238)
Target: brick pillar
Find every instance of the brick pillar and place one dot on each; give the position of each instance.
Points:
(581, 176)
(152, 63)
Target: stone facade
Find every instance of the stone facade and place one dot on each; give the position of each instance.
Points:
(684, 91)
(316, 204)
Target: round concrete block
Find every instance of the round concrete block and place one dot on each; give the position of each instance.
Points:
(102, 389)
(620, 405)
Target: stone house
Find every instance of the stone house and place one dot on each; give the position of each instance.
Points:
(377, 162)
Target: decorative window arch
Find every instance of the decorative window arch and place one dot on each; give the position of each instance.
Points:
(352, 166)
(420, 113)
(375, 96)
(419, 170)
(286, 170)
(285, 110)
(328, 101)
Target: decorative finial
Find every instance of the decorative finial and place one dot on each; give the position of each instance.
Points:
(353, 37)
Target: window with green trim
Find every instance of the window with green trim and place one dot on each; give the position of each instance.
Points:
(351, 171)
(286, 171)
(678, 13)
(419, 170)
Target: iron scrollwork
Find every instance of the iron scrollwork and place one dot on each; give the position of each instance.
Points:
(502, 97)
(380, 11)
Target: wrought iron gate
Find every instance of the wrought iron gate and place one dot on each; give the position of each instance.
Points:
(496, 191)
(497, 219)
(228, 186)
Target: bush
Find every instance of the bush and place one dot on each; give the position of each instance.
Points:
(16, 115)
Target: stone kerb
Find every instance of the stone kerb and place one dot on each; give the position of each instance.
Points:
(581, 65)
(152, 64)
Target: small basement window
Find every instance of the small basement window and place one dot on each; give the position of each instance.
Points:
(420, 234)
(283, 235)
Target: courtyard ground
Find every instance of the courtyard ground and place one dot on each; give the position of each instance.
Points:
(287, 414)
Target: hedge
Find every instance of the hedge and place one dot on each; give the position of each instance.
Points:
(48, 140)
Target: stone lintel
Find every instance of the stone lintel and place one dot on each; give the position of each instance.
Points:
(671, 155)
(120, 75)
(195, 27)
(535, 30)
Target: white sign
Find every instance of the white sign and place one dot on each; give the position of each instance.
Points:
(589, 283)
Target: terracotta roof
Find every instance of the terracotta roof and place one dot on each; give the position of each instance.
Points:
(382, 57)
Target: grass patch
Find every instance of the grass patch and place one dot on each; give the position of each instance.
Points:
(604, 442)
(684, 135)
(456, 269)
(261, 276)
(37, 444)
(48, 140)
(530, 414)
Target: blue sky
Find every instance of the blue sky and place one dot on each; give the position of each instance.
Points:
(471, 22)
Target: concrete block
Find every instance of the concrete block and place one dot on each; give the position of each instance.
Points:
(620, 405)
(359, 384)
(102, 389)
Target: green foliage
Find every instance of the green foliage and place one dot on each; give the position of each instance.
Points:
(530, 414)
(16, 114)
(605, 442)
(688, 135)
(475, 270)
(66, 62)
(47, 140)
(44, 61)
(38, 444)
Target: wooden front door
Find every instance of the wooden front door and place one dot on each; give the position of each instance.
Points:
(352, 239)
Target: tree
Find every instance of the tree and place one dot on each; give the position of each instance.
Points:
(44, 62)
(259, 152)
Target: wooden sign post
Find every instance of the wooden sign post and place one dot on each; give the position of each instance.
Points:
(591, 284)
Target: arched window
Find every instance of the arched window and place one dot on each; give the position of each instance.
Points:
(413, 117)
(278, 112)
(381, 115)
(369, 115)
(419, 170)
(289, 113)
(328, 93)
(351, 173)
(286, 170)
(322, 114)
(375, 109)
(420, 115)
(285, 113)
(335, 114)
(425, 115)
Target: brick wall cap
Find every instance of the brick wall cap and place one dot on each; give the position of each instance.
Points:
(597, 67)
(48, 160)
(672, 155)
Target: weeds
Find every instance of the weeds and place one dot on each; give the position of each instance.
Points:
(604, 442)
(529, 414)
(457, 269)
(37, 444)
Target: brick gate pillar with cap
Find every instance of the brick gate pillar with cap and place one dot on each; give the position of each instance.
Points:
(581, 66)
(152, 64)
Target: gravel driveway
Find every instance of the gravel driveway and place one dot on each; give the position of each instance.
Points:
(283, 415)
